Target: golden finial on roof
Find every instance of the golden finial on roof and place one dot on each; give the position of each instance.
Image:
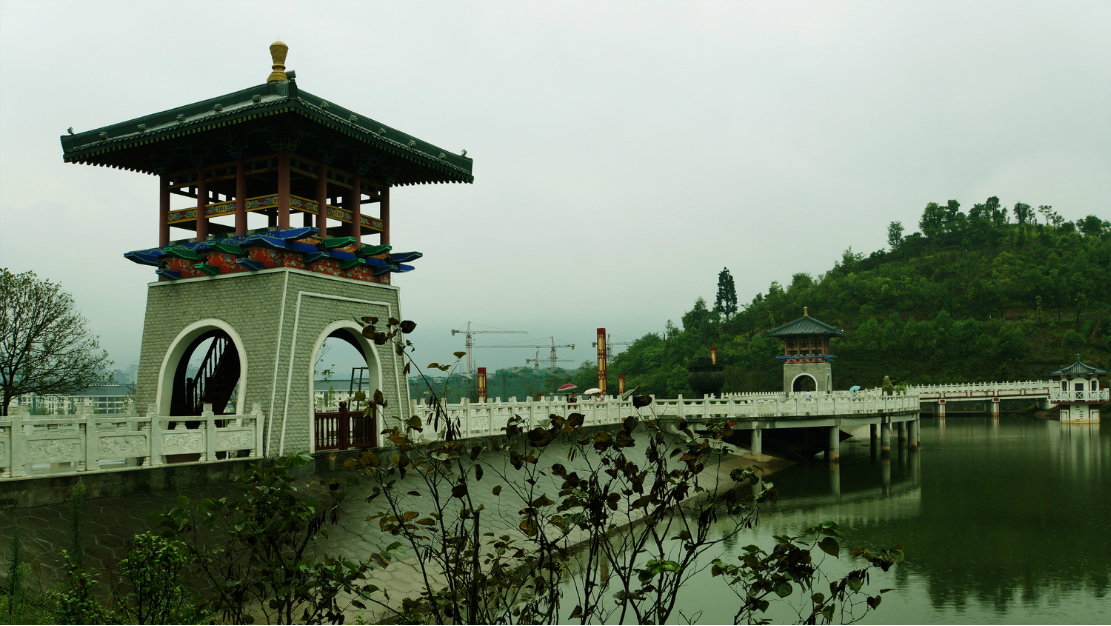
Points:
(278, 50)
(805, 313)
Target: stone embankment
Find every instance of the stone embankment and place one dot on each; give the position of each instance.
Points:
(109, 522)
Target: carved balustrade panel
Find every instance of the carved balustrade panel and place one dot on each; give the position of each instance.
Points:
(232, 438)
(183, 442)
(115, 446)
(54, 449)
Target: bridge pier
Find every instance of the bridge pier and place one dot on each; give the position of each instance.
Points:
(885, 440)
(757, 442)
(941, 408)
(834, 444)
(902, 433)
(915, 428)
(995, 408)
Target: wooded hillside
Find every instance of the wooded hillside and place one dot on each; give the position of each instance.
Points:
(991, 294)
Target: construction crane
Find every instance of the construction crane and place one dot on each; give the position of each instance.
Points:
(553, 358)
(470, 341)
(537, 360)
(609, 346)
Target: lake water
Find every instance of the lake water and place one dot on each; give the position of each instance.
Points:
(1002, 521)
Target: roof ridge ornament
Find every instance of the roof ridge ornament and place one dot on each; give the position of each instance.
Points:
(278, 52)
(805, 313)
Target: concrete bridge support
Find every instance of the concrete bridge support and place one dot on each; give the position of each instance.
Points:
(885, 440)
(757, 442)
(834, 444)
(902, 433)
(941, 408)
(915, 428)
(995, 408)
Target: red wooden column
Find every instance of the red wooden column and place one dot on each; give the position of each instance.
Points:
(602, 360)
(356, 208)
(322, 200)
(482, 384)
(385, 214)
(164, 211)
(621, 384)
(202, 200)
(283, 190)
(240, 197)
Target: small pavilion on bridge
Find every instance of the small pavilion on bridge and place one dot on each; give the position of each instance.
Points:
(807, 363)
(1079, 396)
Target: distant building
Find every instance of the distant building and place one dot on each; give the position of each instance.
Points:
(103, 399)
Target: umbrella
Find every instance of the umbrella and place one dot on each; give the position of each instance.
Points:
(567, 387)
(592, 390)
(627, 394)
(854, 388)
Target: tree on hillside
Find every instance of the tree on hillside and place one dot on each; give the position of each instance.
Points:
(1023, 212)
(45, 347)
(726, 302)
(932, 223)
(954, 219)
(1092, 226)
(894, 234)
(997, 211)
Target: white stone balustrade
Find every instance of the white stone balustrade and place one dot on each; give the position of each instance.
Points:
(79, 443)
(1098, 395)
(985, 390)
(483, 419)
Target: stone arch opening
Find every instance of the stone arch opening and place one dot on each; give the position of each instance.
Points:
(804, 383)
(218, 374)
(336, 418)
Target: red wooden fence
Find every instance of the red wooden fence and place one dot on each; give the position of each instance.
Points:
(343, 429)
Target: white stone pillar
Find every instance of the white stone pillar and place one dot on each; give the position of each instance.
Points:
(757, 442)
(835, 445)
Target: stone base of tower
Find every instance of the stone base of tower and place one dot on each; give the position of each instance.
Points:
(1079, 413)
(277, 320)
(794, 375)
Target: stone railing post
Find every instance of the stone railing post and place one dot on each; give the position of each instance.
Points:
(16, 450)
(155, 435)
(210, 433)
(256, 413)
(92, 441)
(465, 406)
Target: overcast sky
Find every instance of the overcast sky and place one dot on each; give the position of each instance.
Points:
(623, 152)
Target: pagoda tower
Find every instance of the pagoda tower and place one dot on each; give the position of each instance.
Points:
(807, 363)
(1079, 396)
(269, 296)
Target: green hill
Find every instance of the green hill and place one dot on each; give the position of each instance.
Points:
(972, 296)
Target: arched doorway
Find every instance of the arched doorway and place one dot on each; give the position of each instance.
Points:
(344, 363)
(227, 367)
(207, 373)
(804, 383)
(205, 365)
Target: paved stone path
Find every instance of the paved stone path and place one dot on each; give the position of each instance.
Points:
(110, 522)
